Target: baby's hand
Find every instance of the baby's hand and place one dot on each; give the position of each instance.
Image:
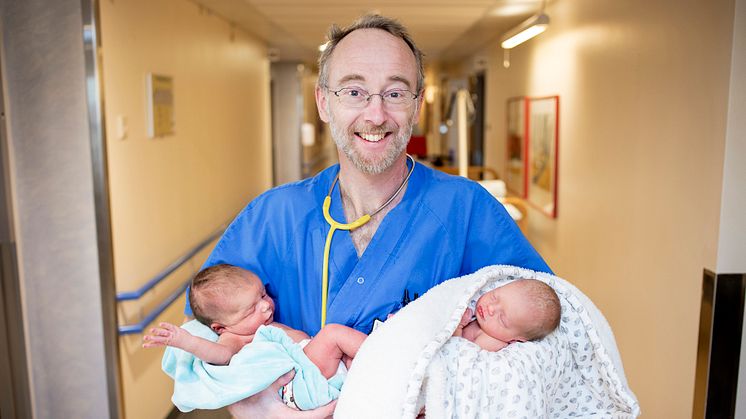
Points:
(466, 317)
(165, 335)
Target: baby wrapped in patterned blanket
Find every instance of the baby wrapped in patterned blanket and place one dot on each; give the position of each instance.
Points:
(413, 360)
(520, 311)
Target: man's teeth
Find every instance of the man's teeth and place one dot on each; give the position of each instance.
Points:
(372, 137)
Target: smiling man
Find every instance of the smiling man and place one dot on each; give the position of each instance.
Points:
(371, 105)
(357, 241)
(372, 134)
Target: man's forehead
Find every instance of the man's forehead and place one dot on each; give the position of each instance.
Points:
(369, 55)
(361, 78)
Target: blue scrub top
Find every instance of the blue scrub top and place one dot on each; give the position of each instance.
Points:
(444, 227)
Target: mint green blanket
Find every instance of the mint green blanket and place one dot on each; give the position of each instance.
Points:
(199, 385)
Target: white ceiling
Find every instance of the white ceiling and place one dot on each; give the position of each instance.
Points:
(444, 29)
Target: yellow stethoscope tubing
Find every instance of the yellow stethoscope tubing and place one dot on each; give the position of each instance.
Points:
(334, 226)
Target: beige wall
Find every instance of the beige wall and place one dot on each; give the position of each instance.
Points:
(167, 194)
(643, 92)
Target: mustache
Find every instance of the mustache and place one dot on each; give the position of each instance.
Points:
(375, 129)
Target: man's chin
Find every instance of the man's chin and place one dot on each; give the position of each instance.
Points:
(372, 165)
(370, 168)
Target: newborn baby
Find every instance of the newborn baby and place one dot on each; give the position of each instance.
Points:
(520, 311)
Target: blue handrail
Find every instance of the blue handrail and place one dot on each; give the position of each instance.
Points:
(129, 329)
(134, 295)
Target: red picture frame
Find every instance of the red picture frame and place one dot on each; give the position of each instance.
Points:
(532, 151)
(543, 154)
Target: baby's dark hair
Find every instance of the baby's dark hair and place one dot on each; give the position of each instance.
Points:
(545, 304)
(209, 285)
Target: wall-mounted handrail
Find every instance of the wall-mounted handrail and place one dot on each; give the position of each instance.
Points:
(129, 329)
(134, 295)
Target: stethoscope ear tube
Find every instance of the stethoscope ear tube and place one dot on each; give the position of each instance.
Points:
(334, 226)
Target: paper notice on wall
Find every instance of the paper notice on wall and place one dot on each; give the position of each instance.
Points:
(160, 91)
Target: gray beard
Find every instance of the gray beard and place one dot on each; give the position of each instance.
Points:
(344, 141)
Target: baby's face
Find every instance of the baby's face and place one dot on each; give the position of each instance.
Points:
(504, 313)
(248, 308)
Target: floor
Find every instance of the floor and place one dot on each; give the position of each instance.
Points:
(202, 414)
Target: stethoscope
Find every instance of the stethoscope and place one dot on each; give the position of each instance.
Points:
(334, 226)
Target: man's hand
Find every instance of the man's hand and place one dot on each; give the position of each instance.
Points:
(267, 404)
(166, 335)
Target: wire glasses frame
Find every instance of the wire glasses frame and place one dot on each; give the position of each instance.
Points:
(355, 97)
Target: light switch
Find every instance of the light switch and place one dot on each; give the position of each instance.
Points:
(121, 127)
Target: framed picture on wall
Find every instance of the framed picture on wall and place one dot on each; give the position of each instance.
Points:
(515, 166)
(543, 140)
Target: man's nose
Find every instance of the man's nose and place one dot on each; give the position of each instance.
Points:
(374, 111)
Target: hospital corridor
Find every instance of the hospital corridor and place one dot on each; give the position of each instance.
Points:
(611, 134)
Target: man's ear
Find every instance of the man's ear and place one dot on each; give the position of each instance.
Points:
(419, 102)
(322, 103)
(217, 327)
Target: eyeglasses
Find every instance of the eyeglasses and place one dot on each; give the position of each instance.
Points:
(355, 97)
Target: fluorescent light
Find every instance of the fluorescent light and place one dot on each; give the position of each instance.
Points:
(533, 26)
(523, 36)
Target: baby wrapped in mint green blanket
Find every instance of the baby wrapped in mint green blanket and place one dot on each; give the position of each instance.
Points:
(200, 385)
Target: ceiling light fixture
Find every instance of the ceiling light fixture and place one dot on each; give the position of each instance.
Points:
(528, 29)
(531, 27)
